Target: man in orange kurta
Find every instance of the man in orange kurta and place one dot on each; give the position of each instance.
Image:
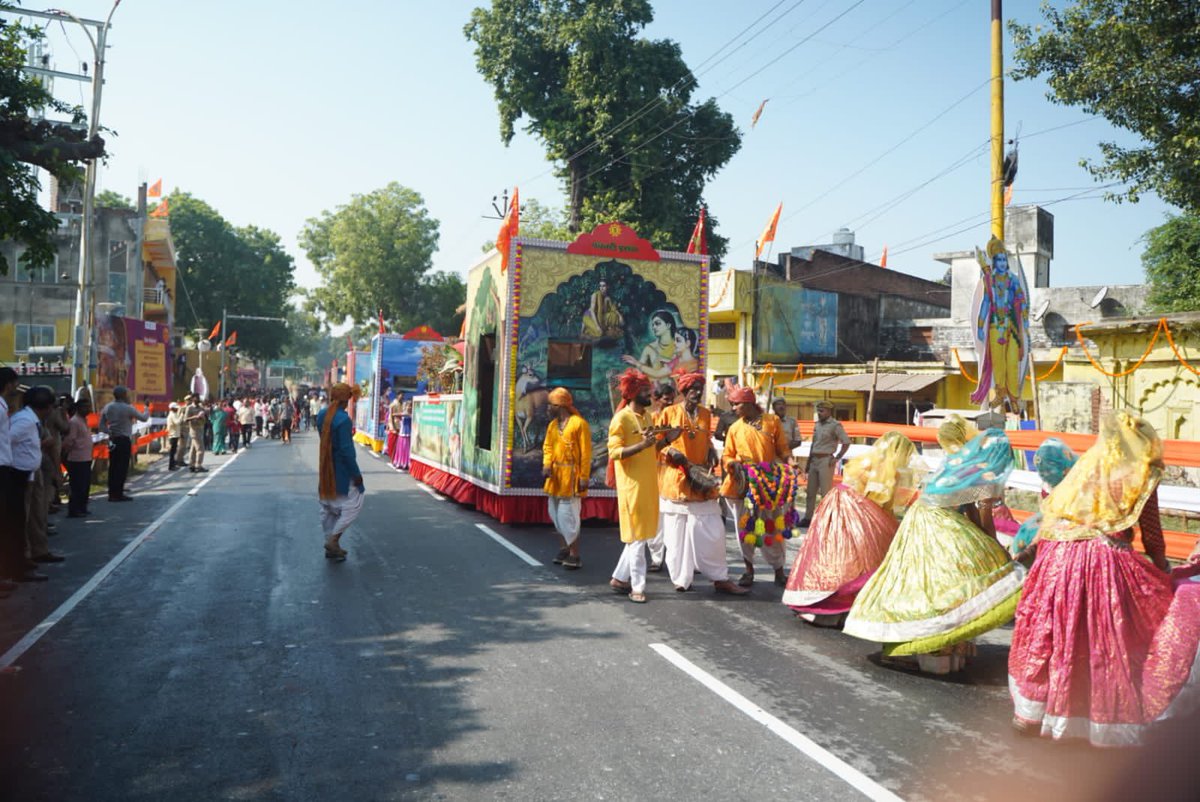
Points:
(753, 438)
(631, 437)
(690, 519)
(567, 467)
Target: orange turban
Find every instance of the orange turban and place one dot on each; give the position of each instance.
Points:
(689, 380)
(632, 382)
(561, 397)
(742, 395)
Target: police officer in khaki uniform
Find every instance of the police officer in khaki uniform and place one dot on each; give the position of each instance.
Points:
(829, 444)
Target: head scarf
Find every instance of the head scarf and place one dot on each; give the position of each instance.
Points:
(689, 380)
(1053, 460)
(975, 472)
(327, 486)
(561, 397)
(876, 473)
(742, 395)
(632, 382)
(954, 433)
(1107, 488)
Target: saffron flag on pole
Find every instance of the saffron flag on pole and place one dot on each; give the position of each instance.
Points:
(349, 343)
(216, 330)
(883, 259)
(758, 113)
(699, 241)
(382, 328)
(155, 190)
(509, 229)
(768, 234)
(161, 210)
(232, 339)
(1008, 193)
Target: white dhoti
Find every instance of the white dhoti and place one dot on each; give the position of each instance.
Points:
(338, 513)
(694, 534)
(631, 567)
(657, 546)
(564, 514)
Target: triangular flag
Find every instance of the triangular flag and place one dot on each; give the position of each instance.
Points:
(509, 229)
(232, 339)
(155, 190)
(699, 241)
(883, 259)
(768, 234)
(1008, 193)
(161, 210)
(382, 328)
(758, 113)
(216, 330)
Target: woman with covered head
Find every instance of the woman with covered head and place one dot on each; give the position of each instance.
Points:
(850, 532)
(567, 468)
(943, 580)
(1053, 460)
(340, 488)
(1092, 604)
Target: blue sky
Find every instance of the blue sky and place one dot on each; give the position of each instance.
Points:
(275, 111)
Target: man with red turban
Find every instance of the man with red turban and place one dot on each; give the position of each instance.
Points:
(690, 514)
(338, 470)
(755, 437)
(631, 435)
(567, 467)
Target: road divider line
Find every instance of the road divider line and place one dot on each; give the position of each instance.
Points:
(213, 475)
(431, 491)
(803, 744)
(487, 530)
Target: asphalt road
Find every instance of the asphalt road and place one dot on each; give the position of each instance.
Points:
(225, 658)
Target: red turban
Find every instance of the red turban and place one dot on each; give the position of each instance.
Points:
(689, 380)
(632, 382)
(742, 395)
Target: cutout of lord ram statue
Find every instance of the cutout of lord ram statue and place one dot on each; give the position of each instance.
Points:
(1001, 332)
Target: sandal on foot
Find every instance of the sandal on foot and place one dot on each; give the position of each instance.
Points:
(572, 562)
(637, 598)
(562, 555)
(619, 586)
(746, 579)
(655, 568)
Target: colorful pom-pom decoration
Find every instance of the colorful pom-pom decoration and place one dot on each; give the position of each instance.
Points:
(750, 540)
(768, 541)
(743, 521)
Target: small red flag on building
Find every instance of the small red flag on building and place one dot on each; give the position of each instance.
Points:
(161, 210)
(232, 339)
(1008, 193)
(768, 234)
(155, 190)
(216, 330)
(509, 229)
(699, 241)
(349, 343)
(883, 259)
(382, 328)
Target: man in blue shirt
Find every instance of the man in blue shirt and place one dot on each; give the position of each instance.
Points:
(338, 469)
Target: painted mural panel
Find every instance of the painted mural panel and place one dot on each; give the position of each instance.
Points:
(585, 319)
(794, 323)
(437, 435)
(482, 445)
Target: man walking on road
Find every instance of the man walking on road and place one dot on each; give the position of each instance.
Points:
(567, 467)
(340, 503)
(195, 418)
(828, 437)
(631, 436)
(117, 419)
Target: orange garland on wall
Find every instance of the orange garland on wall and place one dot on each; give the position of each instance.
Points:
(1162, 323)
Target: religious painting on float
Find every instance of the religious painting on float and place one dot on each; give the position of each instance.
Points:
(1001, 330)
(794, 323)
(481, 433)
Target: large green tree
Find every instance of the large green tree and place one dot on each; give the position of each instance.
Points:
(613, 109)
(1172, 264)
(244, 271)
(1137, 64)
(29, 141)
(375, 253)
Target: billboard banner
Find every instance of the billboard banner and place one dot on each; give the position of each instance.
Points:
(794, 323)
(134, 353)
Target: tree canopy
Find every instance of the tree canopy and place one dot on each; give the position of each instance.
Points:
(375, 253)
(1133, 62)
(1172, 264)
(109, 199)
(28, 141)
(613, 110)
(223, 267)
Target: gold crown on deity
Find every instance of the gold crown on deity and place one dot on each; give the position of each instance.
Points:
(994, 247)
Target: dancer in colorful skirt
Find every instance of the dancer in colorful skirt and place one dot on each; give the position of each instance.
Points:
(1171, 678)
(755, 453)
(689, 512)
(1053, 460)
(567, 468)
(850, 533)
(1092, 604)
(944, 580)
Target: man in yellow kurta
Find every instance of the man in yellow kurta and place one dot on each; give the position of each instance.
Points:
(753, 438)
(631, 437)
(567, 466)
(690, 518)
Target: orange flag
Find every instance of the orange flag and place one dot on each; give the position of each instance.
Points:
(699, 242)
(883, 259)
(161, 210)
(155, 190)
(768, 234)
(1008, 193)
(758, 113)
(216, 330)
(232, 339)
(509, 229)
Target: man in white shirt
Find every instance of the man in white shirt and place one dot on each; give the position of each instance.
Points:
(12, 493)
(116, 419)
(24, 434)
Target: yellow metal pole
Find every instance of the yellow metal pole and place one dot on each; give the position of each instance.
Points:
(997, 120)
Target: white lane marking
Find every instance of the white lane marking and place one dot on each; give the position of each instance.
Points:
(852, 776)
(488, 531)
(34, 635)
(431, 491)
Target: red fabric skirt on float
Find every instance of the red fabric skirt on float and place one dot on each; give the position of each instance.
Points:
(1088, 613)
(504, 508)
(847, 540)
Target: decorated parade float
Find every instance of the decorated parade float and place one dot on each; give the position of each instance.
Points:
(555, 314)
(389, 371)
